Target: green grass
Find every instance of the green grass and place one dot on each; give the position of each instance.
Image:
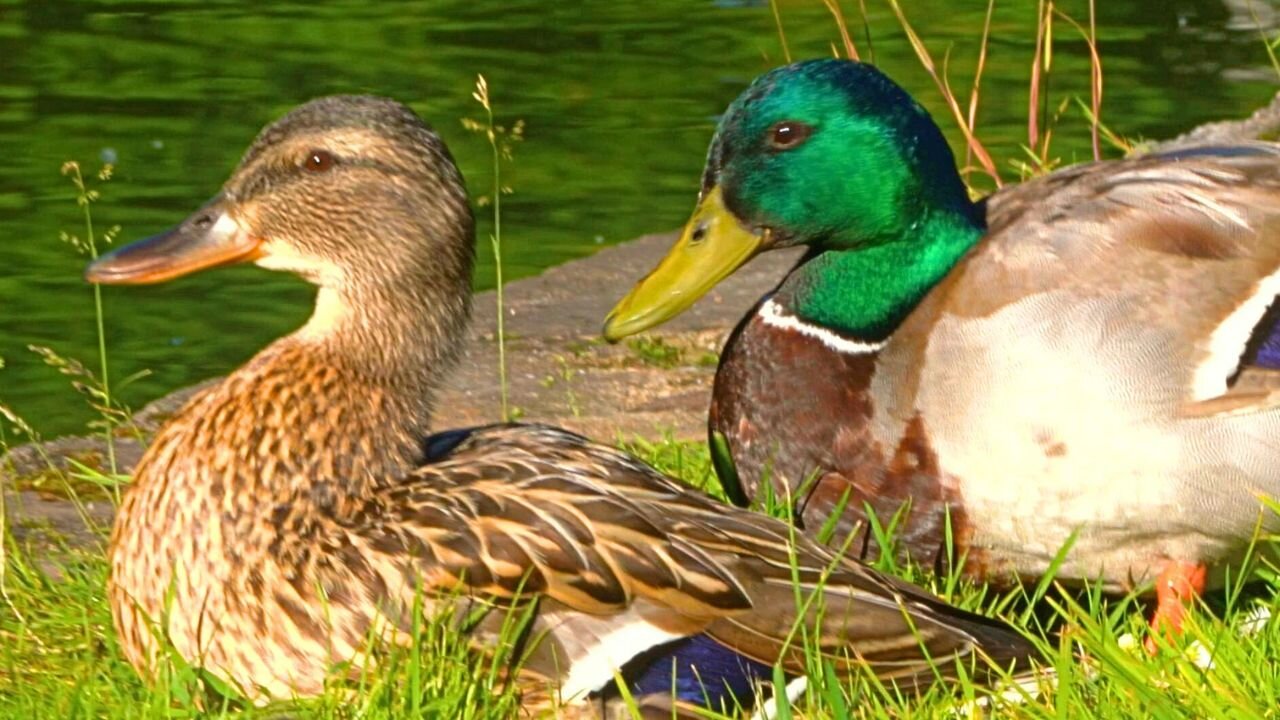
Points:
(655, 352)
(59, 656)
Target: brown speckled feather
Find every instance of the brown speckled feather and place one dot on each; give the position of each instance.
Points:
(600, 530)
(820, 450)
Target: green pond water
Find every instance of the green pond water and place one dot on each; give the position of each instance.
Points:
(618, 100)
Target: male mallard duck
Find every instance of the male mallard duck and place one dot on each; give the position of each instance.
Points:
(1089, 355)
(289, 510)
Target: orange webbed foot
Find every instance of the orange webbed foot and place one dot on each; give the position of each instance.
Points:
(1178, 584)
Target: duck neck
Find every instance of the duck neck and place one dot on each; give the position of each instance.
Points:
(390, 338)
(325, 415)
(386, 335)
(866, 293)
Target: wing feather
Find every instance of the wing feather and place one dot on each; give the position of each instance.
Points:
(597, 535)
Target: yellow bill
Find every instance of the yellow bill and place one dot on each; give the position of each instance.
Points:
(712, 245)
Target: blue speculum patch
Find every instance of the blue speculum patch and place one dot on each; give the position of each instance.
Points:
(1269, 351)
(701, 671)
(1265, 344)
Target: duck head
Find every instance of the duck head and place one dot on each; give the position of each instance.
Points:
(831, 154)
(353, 193)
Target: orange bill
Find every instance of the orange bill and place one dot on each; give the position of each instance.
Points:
(209, 238)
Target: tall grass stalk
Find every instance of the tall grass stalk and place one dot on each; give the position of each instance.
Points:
(850, 50)
(1041, 59)
(85, 197)
(1268, 44)
(782, 35)
(926, 60)
(4, 534)
(1095, 80)
(500, 143)
(866, 31)
(976, 91)
(1095, 76)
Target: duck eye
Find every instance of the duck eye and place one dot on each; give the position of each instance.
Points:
(319, 161)
(788, 134)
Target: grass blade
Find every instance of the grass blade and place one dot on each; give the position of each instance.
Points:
(979, 151)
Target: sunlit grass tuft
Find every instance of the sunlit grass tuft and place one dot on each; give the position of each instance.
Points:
(59, 656)
(99, 390)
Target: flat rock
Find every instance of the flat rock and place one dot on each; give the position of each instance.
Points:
(561, 372)
(1263, 124)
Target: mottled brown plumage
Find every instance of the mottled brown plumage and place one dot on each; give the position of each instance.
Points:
(296, 509)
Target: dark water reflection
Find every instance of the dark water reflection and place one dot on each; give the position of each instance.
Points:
(618, 100)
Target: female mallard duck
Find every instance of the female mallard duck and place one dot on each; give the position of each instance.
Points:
(286, 512)
(1089, 357)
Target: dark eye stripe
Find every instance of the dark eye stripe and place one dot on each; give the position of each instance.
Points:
(267, 178)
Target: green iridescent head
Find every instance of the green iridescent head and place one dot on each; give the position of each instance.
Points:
(830, 153)
(827, 153)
